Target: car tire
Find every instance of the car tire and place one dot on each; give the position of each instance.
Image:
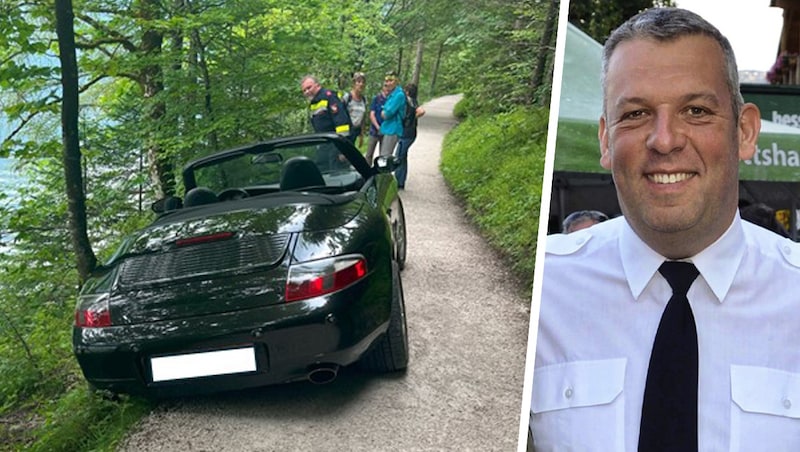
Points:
(390, 352)
(399, 235)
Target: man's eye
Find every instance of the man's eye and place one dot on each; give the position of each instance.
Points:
(696, 111)
(633, 115)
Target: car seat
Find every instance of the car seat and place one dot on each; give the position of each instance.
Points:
(199, 196)
(300, 172)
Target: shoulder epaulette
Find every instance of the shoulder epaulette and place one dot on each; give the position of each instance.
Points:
(564, 244)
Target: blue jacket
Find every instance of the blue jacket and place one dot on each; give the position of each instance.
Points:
(394, 109)
(377, 108)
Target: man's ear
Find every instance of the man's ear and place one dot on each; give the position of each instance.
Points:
(602, 136)
(749, 128)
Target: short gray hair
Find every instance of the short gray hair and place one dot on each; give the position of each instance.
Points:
(668, 24)
(311, 77)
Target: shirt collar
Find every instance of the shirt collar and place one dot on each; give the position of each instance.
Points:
(717, 263)
(639, 261)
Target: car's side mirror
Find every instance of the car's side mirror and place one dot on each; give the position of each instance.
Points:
(167, 204)
(385, 163)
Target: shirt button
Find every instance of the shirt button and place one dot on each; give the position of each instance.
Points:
(787, 250)
(787, 403)
(580, 241)
(568, 393)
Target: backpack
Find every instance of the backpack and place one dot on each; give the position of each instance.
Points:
(345, 98)
(410, 115)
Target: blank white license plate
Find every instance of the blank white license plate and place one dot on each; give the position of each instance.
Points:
(204, 364)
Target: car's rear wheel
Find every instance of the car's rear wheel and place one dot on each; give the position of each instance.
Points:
(390, 353)
(399, 233)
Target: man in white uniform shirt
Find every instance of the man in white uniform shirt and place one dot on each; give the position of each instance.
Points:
(673, 129)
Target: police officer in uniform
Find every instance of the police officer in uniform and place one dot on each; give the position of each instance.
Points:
(327, 114)
(679, 288)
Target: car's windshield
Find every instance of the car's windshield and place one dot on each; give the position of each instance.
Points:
(294, 167)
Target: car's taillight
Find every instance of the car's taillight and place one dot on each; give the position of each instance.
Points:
(312, 279)
(93, 312)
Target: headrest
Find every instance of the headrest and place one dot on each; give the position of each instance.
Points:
(199, 196)
(300, 172)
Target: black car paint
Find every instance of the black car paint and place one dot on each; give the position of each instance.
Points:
(213, 310)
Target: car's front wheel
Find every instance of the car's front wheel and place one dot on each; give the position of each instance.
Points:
(390, 353)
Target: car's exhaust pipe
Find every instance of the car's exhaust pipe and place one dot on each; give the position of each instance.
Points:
(323, 373)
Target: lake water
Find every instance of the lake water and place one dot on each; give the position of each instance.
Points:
(10, 180)
(10, 184)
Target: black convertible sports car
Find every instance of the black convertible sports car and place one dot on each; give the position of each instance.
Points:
(281, 263)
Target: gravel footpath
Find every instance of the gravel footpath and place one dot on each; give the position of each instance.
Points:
(467, 326)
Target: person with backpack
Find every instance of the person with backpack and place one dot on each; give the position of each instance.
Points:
(393, 112)
(410, 121)
(356, 105)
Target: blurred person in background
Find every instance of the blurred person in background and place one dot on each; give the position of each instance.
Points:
(410, 122)
(394, 110)
(375, 137)
(582, 219)
(356, 105)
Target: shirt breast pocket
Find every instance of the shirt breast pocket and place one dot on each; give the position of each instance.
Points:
(765, 409)
(579, 406)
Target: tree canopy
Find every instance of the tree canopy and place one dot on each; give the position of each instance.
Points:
(171, 80)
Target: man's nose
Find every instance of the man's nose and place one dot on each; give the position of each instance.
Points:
(668, 133)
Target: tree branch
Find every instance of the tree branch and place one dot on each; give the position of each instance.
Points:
(116, 37)
(97, 44)
(54, 100)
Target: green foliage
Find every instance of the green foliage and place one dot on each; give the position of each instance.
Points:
(497, 50)
(462, 108)
(81, 420)
(38, 285)
(28, 74)
(503, 154)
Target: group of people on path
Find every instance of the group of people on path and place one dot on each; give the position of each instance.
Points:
(393, 116)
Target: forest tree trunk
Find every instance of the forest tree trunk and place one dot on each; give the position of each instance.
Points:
(71, 155)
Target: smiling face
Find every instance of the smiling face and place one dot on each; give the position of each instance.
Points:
(669, 137)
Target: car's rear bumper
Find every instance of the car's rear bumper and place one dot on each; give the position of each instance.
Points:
(288, 342)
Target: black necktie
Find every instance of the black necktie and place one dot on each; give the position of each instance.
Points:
(669, 412)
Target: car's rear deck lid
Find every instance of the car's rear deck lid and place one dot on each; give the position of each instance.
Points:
(235, 253)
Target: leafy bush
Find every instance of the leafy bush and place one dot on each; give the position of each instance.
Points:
(44, 400)
(80, 420)
(495, 164)
(462, 109)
